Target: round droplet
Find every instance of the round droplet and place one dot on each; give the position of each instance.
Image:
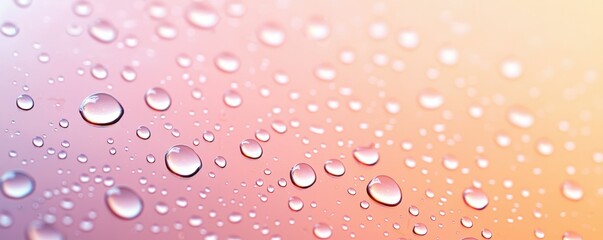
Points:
(25, 102)
(202, 16)
(486, 233)
(262, 135)
(430, 99)
(475, 198)
(166, 31)
(39, 230)
(322, 230)
(128, 73)
(182, 161)
(511, 69)
(448, 56)
(232, 98)
(143, 132)
(296, 204)
(99, 72)
(227, 62)
(6, 219)
(101, 109)
(9, 29)
(419, 229)
(466, 222)
(123, 202)
(38, 141)
(408, 39)
(103, 31)
(235, 217)
(413, 210)
(251, 149)
(303, 175)
(158, 99)
(271, 34)
(82, 8)
(572, 191)
(384, 190)
(544, 147)
(520, 117)
(220, 161)
(208, 136)
(317, 29)
(16, 184)
(334, 167)
(366, 155)
(450, 162)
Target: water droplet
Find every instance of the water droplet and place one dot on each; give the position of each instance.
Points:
(511, 69)
(251, 149)
(486, 233)
(419, 229)
(296, 204)
(99, 72)
(64, 123)
(6, 219)
(450, 162)
(448, 56)
(408, 39)
(317, 29)
(430, 99)
(25, 102)
(208, 136)
(38, 141)
(303, 175)
(571, 236)
(572, 191)
(232, 98)
(262, 135)
(544, 147)
(235, 217)
(202, 16)
(413, 210)
(103, 31)
(23, 3)
(366, 155)
(101, 109)
(271, 34)
(166, 31)
(143, 132)
(16, 184)
(82, 8)
(466, 222)
(39, 230)
(475, 198)
(384, 190)
(334, 167)
(227, 62)
(9, 29)
(520, 117)
(124, 202)
(183, 161)
(322, 230)
(220, 161)
(158, 99)
(325, 72)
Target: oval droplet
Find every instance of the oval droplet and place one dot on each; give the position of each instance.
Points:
(38, 230)
(520, 117)
(227, 62)
(296, 204)
(322, 230)
(430, 99)
(25, 102)
(103, 31)
(511, 69)
(251, 149)
(158, 99)
(317, 29)
(366, 155)
(334, 167)
(124, 202)
(572, 191)
(220, 161)
(9, 29)
(202, 16)
(303, 175)
(419, 229)
(182, 161)
(384, 190)
(143, 133)
(475, 198)
(16, 184)
(101, 109)
(271, 34)
(232, 98)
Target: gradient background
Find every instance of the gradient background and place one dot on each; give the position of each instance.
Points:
(557, 42)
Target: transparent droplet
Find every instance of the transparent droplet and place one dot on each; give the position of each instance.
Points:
(572, 191)
(166, 31)
(6, 219)
(450, 162)
(571, 236)
(419, 229)
(303, 175)
(448, 56)
(158, 99)
(413, 210)
(208, 136)
(384, 190)
(511, 69)
(430, 99)
(251, 149)
(202, 16)
(408, 39)
(232, 98)
(366, 155)
(466, 222)
(25, 102)
(101, 109)
(262, 135)
(123, 202)
(23, 3)
(279, 127)
(325, 72)
(235, 8)
(143, 132)
(38, 230)
(296, 204)
(103, 31)
(183, 161)
(486, 233)
(9, 29)
(82, 8)
(227, 62)
(271, 34)
(317, 29)
(322, 231)
(220, 161)
(64, 123)
(475, 198)
(99, 72)
(235, 217)
(16, 184)
(38, 141)
(544, 147)
(334, 167)
(520, 117)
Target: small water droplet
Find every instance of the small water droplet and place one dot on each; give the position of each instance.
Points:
(475, 198)
(9, 29)
(334, 167)
(183, 161)
(366, 155)
(430, 99)
(82, 8)
(317, 29)
(419, 229)
(408, 39)
(271, 34)
(262, 135)
(220, 161)
(102, 31)
(25, 102)
(143, 132)
(227, 62)
(6, 219)
(303, 175)
(572, 191)
(520, 117)
(486, 233)
(158, 99)
(511, 69)
(124, 202)
(448, 56)
(384, 190)
(251, 149)
(296, 204)
(38, 141)
(232, 98)
(466, 222)
(99, 72)
(322, 231)
(101, 109)
(202, 16)
(571, 236)
(16, 184)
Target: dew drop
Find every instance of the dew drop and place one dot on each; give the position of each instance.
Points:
(317, 29)
(82, 8)
(303, 175)
(271, 34)
(571, 190)
(227, 62)
(220, 161)
(475, 198)
(334, 167)
(366, 155)
(158, 99)
(232, 98)
(511, 69)
(99, 72)
(296, 204)
(450, 162)
(466, 222)
(23, 3)
(38, 230)
(448, 56)
(38, 141)
(487, 234)
(408, 39)
(430, 99)
(182, 161)
(384, 190)
(102, 31)
(202, 16)
(322, 231)
(419, 229)
(251, 149)
(9, 29)
(571, 236)
(25, 102)
(16, 184)
(520, 117)
(123, 202)
(101, 109)
(262, 135)
(143, 133)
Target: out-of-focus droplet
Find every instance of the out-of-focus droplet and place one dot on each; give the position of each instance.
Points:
(23, 3)
(128, 74)
(9, 29)
(295, 204)
(317, 29)
(378, 30)
(166, 30)
(366, 155)
(475, 198)
(325, 72)
(25, 102)
(511, 69)
(413, 210)
(64, 123)
(6, 219)
(251, 149)
(279, 127)
(157, 10)
(99, 72)
(430, 99)
(322, 231)
(303, 175)
(419, 229)
(334, 167)
(448, 56)
(232, 98)
(16, 184)
(158, 99)
(235, 8)
(143, 132)
(520, 117)
(38, 230)
(38, 141)
(544, 147)
(220, 161)
(408, 39)
(124, 202)
(182, 161)
(262, 135)
(571, 236)
(572, 191)
(271, 34)
(392, 107)
(383, 189)
(103, 31)
(202, 16)
(450, 162)
(227, 62)
(101, 109)
(82, 8)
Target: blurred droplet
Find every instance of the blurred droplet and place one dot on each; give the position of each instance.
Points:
(520, 117)
(317, 29)
(572, 191)
(430, 99)
(271, 34)
(232, 98)
(511, 69)
(103, 31)
(16, 184)
(123, 202)
(9, 29)
(202, 16)
(322, 231)
(227, 62)
(38, 230)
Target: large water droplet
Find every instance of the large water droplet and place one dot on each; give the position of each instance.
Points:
(572, 191)
(157, 98)
(38, 230)
(103, 31)
(419, 229)
(271, 34)
(520, 117)
(303, 175)
(16, 184)
(232, 98)
(475, 198)
(384, 190)
(25, 102)
(296, 204)
(227, 62)
(251, 148)
(124, 202)
(101, 109)
(9, 29)
(430, 99)
(322, 230)
(334, 167)
(183, 161)
(202, 16)
(366, 155)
